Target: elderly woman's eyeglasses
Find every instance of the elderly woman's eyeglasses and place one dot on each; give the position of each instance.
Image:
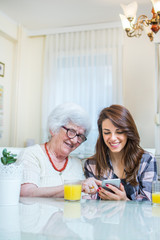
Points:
(71, 133)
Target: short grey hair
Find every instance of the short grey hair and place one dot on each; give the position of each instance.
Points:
(68, 112)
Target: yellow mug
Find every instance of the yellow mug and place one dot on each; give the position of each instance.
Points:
(156, 192)
(72, 190)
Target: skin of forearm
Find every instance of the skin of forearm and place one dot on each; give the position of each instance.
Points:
(32, 190)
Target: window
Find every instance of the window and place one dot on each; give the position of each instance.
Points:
(86, 73)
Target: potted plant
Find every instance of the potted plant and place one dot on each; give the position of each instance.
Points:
(10, 178)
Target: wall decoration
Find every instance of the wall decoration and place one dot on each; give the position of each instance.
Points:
(2, 68)
(157, 102)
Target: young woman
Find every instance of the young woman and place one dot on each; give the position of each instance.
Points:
(119, 155)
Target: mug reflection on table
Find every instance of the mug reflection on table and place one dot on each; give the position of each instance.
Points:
(156, 211)
(72, 210)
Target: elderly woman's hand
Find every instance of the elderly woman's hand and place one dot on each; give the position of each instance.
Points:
(90, 185)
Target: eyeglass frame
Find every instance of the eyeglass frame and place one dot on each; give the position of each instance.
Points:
(76, 135)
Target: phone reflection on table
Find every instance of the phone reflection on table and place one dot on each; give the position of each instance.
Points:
(106, 211)
(113, 212)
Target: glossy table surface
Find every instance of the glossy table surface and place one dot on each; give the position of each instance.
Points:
(47, 218)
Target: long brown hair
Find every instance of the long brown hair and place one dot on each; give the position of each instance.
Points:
(121, 118)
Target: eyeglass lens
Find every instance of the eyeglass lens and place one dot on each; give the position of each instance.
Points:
(71, 133)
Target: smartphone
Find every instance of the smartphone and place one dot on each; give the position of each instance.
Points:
(115, 182)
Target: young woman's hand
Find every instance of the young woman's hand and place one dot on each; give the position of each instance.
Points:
(119, 194)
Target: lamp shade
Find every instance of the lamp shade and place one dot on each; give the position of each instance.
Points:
(130, 10)
(156, 5)
(125, 22)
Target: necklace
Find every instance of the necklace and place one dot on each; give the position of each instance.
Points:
(58, 170)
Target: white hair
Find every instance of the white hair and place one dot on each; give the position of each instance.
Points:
(68, 112)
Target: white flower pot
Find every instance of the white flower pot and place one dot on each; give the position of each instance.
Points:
(10, 191)
(10, 183)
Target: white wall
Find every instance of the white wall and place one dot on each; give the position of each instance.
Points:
(7, 49)
(30, 90)
(8, 40)
(139, 85)
(22, 83)
(23, 101)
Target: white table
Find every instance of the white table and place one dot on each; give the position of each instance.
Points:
(47, 218)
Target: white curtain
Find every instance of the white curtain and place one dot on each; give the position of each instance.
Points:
(83, 67)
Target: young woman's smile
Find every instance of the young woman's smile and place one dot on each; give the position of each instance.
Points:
(114, 137)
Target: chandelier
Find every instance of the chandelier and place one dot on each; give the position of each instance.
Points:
(151, 26)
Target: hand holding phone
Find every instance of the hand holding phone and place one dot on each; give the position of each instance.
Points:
(115, 182)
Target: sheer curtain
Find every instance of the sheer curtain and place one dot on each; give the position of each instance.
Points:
(83, 67)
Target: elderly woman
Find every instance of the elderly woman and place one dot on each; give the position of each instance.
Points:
(46, 166)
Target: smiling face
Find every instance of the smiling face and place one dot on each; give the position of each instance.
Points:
(63, 145)
(114, 137)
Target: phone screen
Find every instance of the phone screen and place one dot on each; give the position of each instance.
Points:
(115, 182)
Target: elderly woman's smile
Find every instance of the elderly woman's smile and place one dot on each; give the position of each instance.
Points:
(66, 143)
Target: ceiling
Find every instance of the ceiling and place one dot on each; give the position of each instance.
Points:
(37, 15)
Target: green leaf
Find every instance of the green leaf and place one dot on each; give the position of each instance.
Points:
(14, 155)
(9, 157)
(11, 161)
(4, 160)
(4, 152)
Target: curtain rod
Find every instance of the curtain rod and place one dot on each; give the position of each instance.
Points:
(44, 32)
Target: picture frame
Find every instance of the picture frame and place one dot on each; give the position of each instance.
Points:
(2, 68)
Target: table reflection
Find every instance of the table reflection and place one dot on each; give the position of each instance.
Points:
(46, 218)
(9, 223)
